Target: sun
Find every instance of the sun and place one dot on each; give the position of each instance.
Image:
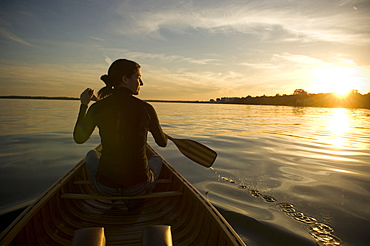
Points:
(338, 80)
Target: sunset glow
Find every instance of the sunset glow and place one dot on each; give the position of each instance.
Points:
(338, 80)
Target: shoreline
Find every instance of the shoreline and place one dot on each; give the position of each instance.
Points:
(263, 100)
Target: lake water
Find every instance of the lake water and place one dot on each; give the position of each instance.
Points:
(283, 176)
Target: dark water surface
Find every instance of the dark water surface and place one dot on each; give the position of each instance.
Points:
(283, 176)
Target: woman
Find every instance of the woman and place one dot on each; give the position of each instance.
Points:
(123, 121)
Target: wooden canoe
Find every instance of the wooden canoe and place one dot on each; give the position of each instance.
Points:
(70, 204)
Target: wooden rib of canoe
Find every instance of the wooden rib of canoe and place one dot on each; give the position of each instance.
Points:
(71, 204)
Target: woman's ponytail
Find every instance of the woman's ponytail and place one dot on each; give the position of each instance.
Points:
(109, 86)
(107, 80)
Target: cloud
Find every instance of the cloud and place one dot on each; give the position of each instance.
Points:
(286, 61)
(297, 59)
(57, 79)
(13, 37)
(182, 85)
(96, 39)
(260, 65)
(108, 60)
(149, 57)
(305, 22)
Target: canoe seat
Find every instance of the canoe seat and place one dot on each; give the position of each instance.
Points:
(157, 235)
(93, 236)
(102, 197)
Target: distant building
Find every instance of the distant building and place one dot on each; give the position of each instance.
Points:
(227, 99)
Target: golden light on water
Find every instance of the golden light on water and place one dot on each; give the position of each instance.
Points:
(342, 170)
(339, 121)
(338, 124)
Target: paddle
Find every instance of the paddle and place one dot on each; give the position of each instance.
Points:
(195, 151)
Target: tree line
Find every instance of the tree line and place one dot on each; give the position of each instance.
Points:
(302, 98)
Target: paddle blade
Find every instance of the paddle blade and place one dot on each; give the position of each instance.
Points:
(195, 151)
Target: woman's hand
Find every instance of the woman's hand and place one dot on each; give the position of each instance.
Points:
(86, 96)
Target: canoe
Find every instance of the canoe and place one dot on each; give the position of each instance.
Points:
(70, 205)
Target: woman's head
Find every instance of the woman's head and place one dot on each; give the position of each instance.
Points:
(119, 72)
(118, 69)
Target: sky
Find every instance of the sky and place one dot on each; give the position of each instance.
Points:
(188, 50)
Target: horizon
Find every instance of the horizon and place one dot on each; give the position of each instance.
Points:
(339, 96)
(187, 50)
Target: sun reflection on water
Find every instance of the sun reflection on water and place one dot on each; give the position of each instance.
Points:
(338, 124)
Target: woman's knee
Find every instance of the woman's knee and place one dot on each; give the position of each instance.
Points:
(92, 161)
(155, 164)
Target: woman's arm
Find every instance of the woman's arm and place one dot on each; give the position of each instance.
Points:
(85, 124)
(155, 128)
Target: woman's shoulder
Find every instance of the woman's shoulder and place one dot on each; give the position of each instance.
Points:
(147, 105)
(141, 102)
(101, 103)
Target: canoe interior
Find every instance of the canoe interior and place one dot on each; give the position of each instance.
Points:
(52, 220)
